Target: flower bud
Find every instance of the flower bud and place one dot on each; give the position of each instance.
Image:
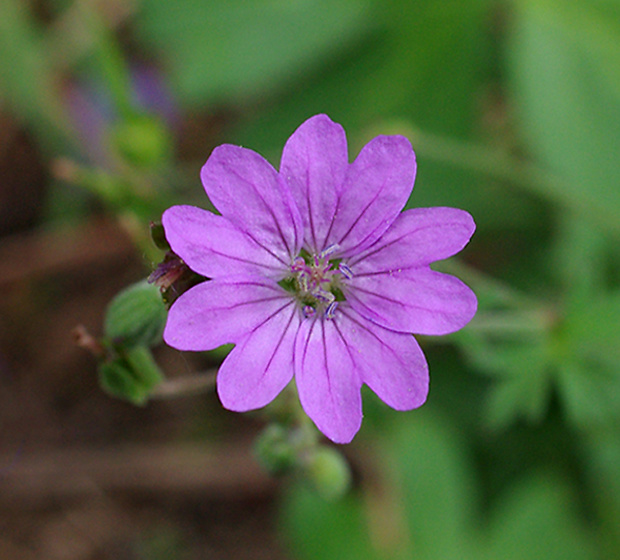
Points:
(136, 316)
(329, 472)
(275, 450)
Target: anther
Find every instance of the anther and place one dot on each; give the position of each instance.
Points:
(345, 271)
(329, 251)
(299, 264)
(309, 311)
(331, 310)
(324, 296)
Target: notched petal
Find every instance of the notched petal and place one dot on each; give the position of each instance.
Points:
(212, 246)
(390, 363)
(417, 237)
(248, 191)
(314, 163)
(417, 300)
(222, 311)
(261, 365)
(327, 381)
(377, 186)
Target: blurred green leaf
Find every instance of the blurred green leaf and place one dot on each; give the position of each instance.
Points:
(590, 381)
(435, 487)
(595, 329)
(436, 54)
(564, 64)
(136, 316)
(427, 505)
(218, 51)
(602, 458)
(537, 519)
(27, 81)
(316, 528)
(590, 395)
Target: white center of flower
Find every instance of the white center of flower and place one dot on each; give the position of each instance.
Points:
(317, 282)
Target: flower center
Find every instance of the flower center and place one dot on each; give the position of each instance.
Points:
(317, 282)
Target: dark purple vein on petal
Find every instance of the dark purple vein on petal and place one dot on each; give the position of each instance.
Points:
(374, 335)
(399, 303)
(359, 217)
(357, 259)
(306, 342)
(279, 343)
(248, 261)
(310, 217)
(271, 213)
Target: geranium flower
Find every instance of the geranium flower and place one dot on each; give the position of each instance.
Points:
(317, 275)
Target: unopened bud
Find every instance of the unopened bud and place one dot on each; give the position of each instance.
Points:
(136, 316)
(329, 472)
(275, 451)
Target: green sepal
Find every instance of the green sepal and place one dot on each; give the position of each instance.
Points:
(158, 235)
(136, 316)
(131, 376)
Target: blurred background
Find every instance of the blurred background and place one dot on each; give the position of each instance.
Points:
(108, 109)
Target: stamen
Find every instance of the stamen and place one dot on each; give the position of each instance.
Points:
(324, 296)
(309, 311)
(345, 271)
(329, 251)
(316, 282)
(299, 264)
(331, 310)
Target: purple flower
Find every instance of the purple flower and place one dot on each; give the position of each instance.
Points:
(316, 274)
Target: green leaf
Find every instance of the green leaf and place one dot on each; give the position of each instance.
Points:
(136, 316)
(435, 487)
(590, 381)
(27, 81)
(537, 519)
(511, 347)
(564, 65)
(223, 50)
(595, 329)
(315, 528)
(590, 395)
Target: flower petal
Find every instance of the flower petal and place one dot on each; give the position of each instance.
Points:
(377, 186)
(417, 237)
(248, 191)
(327, 381)
(222, 311)
(314, 163)
(212, 246)
(390, 363)
(261, 365)
(415, 300)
